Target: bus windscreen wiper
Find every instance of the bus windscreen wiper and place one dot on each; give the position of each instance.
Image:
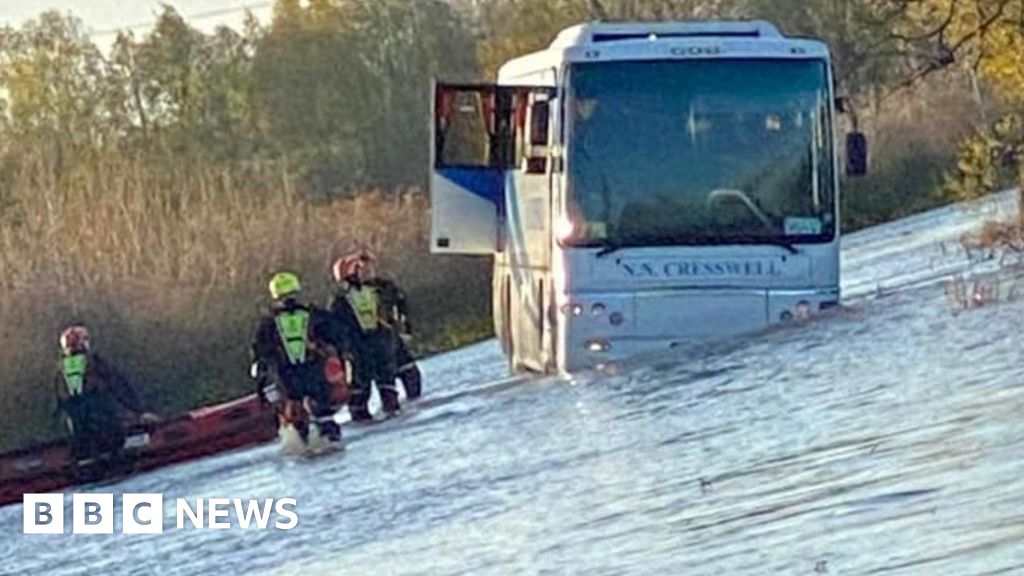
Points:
(771, 240)
(792, 249)
(609, 246)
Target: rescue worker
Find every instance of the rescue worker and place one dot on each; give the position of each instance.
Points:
(395, 312)
(93, 396)
(292, 349)
(358, 305)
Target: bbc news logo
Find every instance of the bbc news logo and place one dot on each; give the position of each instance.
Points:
(144, 513)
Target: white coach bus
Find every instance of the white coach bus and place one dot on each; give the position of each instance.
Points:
(641, 185)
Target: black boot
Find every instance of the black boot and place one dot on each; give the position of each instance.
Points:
(359, 413)
(411, 378)
(389, 401)
(302, 427)
(330, 430)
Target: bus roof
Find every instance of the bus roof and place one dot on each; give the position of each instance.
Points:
(596, 33)
(602, 41)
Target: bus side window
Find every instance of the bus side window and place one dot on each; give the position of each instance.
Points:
(464, 127)
(535, 149)
(474, 126)
(491, 127)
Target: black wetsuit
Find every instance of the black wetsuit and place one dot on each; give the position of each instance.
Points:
(396, 314)
(300, 378)
(374, 348)
(94, 404)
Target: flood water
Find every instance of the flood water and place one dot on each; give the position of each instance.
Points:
(886, 437)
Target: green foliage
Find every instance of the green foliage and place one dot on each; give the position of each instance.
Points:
(314, 94)
(865, 53)
(990, 160)
(52, 79)
(511, 28)
(454, 334)
(340, 89)
(344, 87)
(988, 34)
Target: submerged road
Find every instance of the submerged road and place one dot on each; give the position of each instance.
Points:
(887, 437)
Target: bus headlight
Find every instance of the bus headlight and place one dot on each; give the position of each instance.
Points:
(597, 309)
(615, 318)
(565, 229)
(597, 345)
(574, 309)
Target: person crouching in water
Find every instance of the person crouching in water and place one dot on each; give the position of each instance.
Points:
(292, 347)
(93, 395)
(395, 315)
(357, 304)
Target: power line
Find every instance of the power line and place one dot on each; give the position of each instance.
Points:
(187, 17)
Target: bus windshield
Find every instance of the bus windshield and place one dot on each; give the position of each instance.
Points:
(700, 152)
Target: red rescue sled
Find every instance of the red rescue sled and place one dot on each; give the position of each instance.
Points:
(202, 432)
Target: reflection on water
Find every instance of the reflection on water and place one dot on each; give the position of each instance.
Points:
(884, 438)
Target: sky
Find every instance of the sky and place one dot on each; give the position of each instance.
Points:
(104, 17)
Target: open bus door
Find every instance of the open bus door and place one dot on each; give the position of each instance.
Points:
(474, 138)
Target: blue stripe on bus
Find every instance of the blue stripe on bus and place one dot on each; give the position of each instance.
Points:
(485, 183)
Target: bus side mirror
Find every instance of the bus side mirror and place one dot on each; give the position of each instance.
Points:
(840, 104)
(856, 154)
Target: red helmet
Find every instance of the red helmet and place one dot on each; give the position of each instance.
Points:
(344, 267)
(74, 339)
(366, 256)
(368, 261)
(350, 264)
